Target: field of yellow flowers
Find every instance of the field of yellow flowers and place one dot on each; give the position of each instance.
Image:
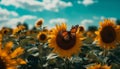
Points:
(59, 48)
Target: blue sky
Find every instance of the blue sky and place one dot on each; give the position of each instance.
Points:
(82, 12)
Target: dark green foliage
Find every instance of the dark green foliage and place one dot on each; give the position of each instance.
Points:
(92, 28)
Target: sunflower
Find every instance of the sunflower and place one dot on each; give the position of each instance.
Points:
(39, 23)
(108, 34)
(29, 32)
(9, 59)
(65, 43)
(21, 27)
(42, 37)
(15, 30)
(49, 31)
(45, 29)
(82, 29)
(0, 37)
(5, 31)
(90, 34)
(98, 66)
(74, 28)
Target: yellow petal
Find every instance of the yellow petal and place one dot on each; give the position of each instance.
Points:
(8, 46)
(3, 53)
(83, 38)
(11, 62)
(12, 67)
(21, 61)
(17, 52)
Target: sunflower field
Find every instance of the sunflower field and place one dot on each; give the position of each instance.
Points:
(60, 47)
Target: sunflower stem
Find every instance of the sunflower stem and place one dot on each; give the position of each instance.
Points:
(105, 54)
(66, 63)
(40, 55)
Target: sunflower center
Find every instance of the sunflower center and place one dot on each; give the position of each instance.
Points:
(2, 64)
(81, 28)
(101, 67)
(65, 40)
(5, 32)
(39, 23)
(108, 34)
(42, 37)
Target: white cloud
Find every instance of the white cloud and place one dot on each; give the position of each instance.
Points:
(54, 21)
(22, 19)
(27, 17)
(58, 20)
(111, 18)
(11, 18)
(30, 26)
(79, 2)
(34, 5)
(5, 13)
(102, 17)
(12, 22)
(86, 22)
(87, 2)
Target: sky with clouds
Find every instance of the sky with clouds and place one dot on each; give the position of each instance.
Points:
(82, 12)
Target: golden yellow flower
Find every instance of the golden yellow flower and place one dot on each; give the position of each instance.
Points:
(5, 31)
(15, 30)
(82, 29)
(0, 37)
(18, 28)
(21, 27)
(90, 34)
(74, 28)
(108, 34)
(39, 23)
(45, 30)
(29, 32)
(89, 37)
(9, 59)
(98, 66)
(49, 31)
(65, 43)
(42, 37)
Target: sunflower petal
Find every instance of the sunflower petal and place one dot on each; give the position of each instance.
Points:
(17, 52)
(21, 61)
(8, 46)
